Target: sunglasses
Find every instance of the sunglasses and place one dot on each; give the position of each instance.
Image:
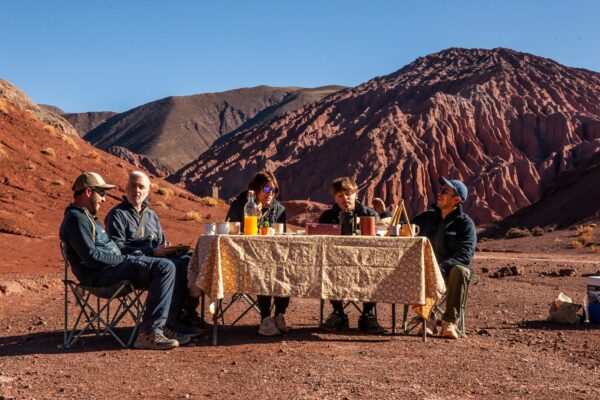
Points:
(269, 189)
(100, 192)
(446, 190)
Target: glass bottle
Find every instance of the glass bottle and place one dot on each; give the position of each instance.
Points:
(251, 214)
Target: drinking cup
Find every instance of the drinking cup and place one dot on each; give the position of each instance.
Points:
(394, 230)
(278, 227)
(223, 228)
(367, 226)
(209, 228)
(234, 228)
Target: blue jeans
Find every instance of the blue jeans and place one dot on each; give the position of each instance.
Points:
(180, 293)
(158, 276)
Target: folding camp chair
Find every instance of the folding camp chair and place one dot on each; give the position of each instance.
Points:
(220, 310)
(409, 326)
(102, 314)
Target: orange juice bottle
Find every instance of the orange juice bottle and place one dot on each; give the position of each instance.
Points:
(251, 213)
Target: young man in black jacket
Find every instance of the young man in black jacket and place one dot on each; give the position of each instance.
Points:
(97, 261)
(453, 238)
(136, 230)
(344, 192)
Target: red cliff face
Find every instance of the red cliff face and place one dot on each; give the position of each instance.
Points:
(504, 122)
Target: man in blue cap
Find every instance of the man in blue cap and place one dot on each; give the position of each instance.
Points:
(453, 238)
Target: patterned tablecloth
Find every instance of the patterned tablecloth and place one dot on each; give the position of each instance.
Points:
(396, 270)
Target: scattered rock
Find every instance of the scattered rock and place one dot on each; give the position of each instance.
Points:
(485, 270)
(512, 270)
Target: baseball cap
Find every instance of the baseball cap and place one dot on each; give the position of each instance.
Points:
(459, 187)
(91, 180)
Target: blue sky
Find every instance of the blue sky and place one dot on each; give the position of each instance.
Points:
(115, 55)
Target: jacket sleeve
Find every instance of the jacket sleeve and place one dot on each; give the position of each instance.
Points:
(78, 232)
(466, 249)
(116, 228)
(161, 239)
(235, 213)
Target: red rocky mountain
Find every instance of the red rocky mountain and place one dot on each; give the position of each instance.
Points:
(506, 123)
(174, 131)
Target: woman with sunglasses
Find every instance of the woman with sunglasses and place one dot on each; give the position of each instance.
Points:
(265, 186)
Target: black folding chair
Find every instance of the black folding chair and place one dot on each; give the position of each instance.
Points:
(101, 317)
(220, 311)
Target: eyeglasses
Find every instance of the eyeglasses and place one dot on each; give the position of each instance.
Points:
(100, 192)
(446, 190)
(269, 189)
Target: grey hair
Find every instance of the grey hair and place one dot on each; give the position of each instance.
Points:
(139, 174)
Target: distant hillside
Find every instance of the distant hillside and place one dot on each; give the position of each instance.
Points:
(175, 130)
(82, 122)
(507, 123)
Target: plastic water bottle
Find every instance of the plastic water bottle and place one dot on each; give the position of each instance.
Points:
(251, 214)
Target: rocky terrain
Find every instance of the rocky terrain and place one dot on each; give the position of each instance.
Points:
(507, 123)
(175, 130)
(82, 122)
(38, 163)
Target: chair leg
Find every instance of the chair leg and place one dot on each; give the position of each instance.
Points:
(393, 319)
(321, 312)
(404, 319)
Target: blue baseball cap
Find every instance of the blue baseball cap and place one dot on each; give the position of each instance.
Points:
(459, 187)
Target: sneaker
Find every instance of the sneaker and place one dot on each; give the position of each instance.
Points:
(171, 333)
(154, 341)
(368, 324)
(268, 327)
(430, 328)
(335, 322)
(449, 330)
(280, 323)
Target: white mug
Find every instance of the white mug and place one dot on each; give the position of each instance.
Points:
(223, 228)
(209, 229)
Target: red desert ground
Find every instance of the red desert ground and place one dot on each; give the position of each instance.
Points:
(522, 132)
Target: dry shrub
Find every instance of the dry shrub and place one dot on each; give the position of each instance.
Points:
(153, 186)
(537, 231)
(585, 230)
(575, 244)
(48, 151)
(161, 204)
(69, 140)
(586, 240)
(594, 249)
(3, 107)
(164, 191)
(517, 233)
(192, 216)
(30, 166)
(57, 182)
(209, 201)
(92, 155)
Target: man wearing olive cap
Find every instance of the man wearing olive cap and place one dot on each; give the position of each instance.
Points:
(453, 238)
(97, 261)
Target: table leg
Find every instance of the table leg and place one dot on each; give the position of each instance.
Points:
(218, 310)
(404, 319)
(393, 319)
(424, 328)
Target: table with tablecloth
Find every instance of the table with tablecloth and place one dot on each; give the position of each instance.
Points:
(395, 270)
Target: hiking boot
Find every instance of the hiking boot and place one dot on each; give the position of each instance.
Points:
(335, 322)
(171, 333)
(268, 327)
(191, 331)
(280, 323)
(368, 324)
(449, 330)
(154, 341)
(191, 318)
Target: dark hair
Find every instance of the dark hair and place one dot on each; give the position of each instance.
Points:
(261, 179)
(344, 184)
